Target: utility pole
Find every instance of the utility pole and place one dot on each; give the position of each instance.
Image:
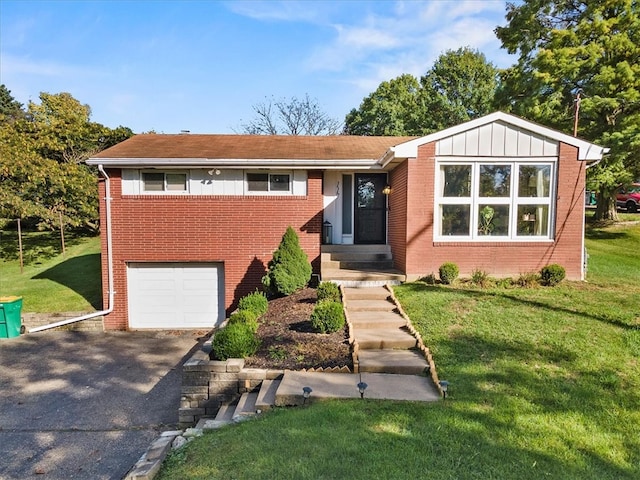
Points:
(576, 113)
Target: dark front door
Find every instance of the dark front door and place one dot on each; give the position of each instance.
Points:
(370, 219)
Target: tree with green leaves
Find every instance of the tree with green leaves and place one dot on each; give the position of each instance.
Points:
(586, 52)
(458, 87)
(395, 108)
(43, 177)
(10, 108)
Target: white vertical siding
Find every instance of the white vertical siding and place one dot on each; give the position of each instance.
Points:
(497, 139)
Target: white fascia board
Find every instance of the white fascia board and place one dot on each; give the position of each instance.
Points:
(290, 164)
(586, 151)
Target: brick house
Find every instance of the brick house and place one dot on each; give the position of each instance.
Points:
(191, 221)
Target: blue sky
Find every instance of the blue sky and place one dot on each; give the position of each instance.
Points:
(201, 65)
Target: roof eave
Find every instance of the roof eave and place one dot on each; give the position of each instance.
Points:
(284, 163)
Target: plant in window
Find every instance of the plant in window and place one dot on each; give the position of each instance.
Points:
(486, 226)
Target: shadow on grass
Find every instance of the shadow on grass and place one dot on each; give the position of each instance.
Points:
(608, 319)
(36, 246)
(80, 274)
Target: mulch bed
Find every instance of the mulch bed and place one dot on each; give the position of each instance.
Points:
(288, 341)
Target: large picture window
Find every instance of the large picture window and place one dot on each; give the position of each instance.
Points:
(494, 201)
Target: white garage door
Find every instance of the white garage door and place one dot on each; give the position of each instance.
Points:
(175, 295)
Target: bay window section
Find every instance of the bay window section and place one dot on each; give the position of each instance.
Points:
(455, 208)
(494, 201)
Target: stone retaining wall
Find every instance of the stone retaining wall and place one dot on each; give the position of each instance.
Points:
(33, 320)
(207, 384)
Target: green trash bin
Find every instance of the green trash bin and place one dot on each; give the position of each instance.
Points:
(10, 320)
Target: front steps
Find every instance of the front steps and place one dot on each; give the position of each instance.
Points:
(384, 342)
(359, 265)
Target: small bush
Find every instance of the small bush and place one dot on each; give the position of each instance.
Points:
(527, 280)
(480, 278)
(327, 317)
(246, 317)
(430, 279)
(236, 340)
(552, 275)
(328, 291)
(448, 273)
(255, 302)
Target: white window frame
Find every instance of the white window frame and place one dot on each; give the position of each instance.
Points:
(269, 174)
(514, 201)
(165, 190)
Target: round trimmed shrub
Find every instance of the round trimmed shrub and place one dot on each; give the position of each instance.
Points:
(448, 273)
(246, 317)
(327, 317)
(255, 302)
(236, 340)
(552, 275)
(328, 291)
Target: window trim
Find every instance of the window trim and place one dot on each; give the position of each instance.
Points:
(514, 201)
(269, 174)
(165, 190)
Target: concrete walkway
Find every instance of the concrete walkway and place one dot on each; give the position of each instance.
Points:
(387, 356)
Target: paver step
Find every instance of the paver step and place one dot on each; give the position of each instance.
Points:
(371, 339)
(368, 305)
(225, 413)
(345, 276)
(267, 395)
(375, 320)
(246, 406)
(402, 362)
(367, 293)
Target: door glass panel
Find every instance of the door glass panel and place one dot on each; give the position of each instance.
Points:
(347, 205)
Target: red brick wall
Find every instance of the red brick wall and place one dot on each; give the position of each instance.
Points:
(398, 215)
(424, 256)
(240, 231)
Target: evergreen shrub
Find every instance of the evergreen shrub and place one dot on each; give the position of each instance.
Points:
(448, 273)
(247, 317)
(255, 302)
(327, 317)
(236, 340)
(552, 275)
(289, 270)
(328, 291)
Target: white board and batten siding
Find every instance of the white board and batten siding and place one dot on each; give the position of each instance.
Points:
(175, 295)
(497, 139)
(224, 182)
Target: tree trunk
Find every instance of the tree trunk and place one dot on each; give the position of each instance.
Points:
(606, 206)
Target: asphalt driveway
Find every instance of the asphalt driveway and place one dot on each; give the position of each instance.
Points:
(76, 405)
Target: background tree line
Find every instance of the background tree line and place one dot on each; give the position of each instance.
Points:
(43, 178)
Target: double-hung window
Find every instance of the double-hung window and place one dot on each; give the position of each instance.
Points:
(277, 183)
(494, 200)
(169, 182)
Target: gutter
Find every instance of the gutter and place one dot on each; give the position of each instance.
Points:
(109, 263)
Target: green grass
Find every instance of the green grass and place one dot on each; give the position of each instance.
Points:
(545, 383)
(51, 282)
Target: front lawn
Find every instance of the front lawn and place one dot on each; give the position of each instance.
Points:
(545, 383)
(51, 282)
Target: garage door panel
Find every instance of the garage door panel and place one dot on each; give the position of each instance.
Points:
(175, 295)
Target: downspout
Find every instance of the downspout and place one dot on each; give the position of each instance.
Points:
(109, 264)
